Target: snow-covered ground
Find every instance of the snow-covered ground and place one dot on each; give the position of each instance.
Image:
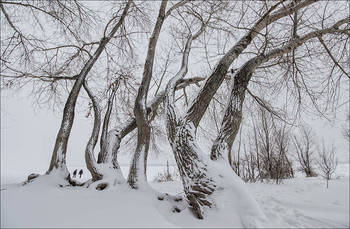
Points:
(299, 202)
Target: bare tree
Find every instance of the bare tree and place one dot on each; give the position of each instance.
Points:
(137, 173)
(327, 162)
(35, 55)
(304, 147)
(181, 131)
(272, 144)
(58, 159)
(273, 43)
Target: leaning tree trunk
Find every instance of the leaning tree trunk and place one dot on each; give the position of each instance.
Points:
(58, 159)
(233, 112)
(205, 180)
(191, 167)
(207, 184)
(198, 107)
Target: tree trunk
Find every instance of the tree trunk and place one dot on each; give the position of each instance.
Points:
(212, 184)
(90, 160)
(103, 141)
(216, 77)
(58, 159)
(233, 112)
(137, 173)
(201, 177)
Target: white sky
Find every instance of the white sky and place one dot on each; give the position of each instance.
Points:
(28, 137)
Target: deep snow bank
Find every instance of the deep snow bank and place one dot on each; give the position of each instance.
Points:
(299, 202)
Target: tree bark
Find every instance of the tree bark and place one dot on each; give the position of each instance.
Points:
(90, 160)
(104, 134)
(233, 112)
(190, 166)
(216, 77)
(115, 135)
(103, 140)
(137, 173)
(58, 159)
(201, 178)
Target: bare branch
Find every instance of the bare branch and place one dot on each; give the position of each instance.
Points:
(332, 57)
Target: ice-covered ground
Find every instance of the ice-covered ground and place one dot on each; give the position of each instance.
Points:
(299, 202)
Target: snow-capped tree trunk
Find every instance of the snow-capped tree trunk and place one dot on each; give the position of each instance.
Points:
(58, 159)
(137, 173)
(103, 141)
(213, 82)
(233, 112)
(232, 117)
(202, 177)
(90, 160)
(197, 185)
(115, 136)
(179, 135)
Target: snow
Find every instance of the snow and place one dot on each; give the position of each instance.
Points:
(298, 202)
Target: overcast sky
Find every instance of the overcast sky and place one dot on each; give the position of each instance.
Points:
(28, 136)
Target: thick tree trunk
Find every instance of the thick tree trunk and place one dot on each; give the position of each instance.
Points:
(216, 77)
(212, 184)
(58, 159)
(233, 112)
(208, 184)
(201, 177)
(137, 173)
(192, 168)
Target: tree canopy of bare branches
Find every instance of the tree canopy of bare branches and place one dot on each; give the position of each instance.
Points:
(173, 69)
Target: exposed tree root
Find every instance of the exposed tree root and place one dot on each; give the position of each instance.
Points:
(101, 186)
(74, 182)
(178, 203)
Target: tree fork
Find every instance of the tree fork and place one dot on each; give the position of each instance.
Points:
(59, 154)
(233, 112)
(140, 112)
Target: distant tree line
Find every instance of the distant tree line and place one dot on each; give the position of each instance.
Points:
(271, 151)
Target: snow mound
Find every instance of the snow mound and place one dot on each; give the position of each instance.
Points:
(300, 202)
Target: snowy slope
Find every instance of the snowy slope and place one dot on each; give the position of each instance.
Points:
(299, 202)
